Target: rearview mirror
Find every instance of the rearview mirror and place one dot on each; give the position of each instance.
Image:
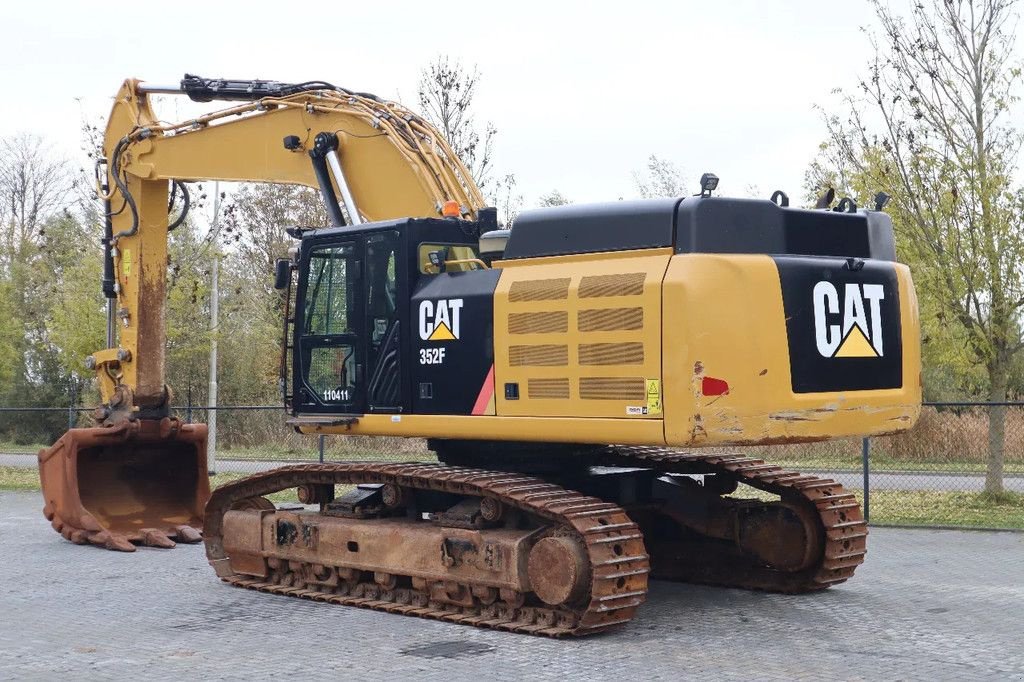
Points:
(282, 274)
(438, 258)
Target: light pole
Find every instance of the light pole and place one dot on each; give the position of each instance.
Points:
(211, 413)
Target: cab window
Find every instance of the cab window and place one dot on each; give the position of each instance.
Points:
(328, 341)
(328, 292)
(460, 252)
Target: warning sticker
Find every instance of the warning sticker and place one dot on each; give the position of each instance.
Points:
(653, 396)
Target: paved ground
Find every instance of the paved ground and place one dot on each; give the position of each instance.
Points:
(927, 605)
(851, 479)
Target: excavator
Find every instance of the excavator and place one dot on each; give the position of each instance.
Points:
(585, 378)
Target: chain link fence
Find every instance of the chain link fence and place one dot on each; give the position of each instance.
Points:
(254, 438)
(933, 475)
(940, 473)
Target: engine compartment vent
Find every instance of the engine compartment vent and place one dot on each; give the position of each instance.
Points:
(612, 388)
(554, 322)
(544, 355)
(539, 290)
(629, 353)
(621, 284)
(548, 388)
(610, 319)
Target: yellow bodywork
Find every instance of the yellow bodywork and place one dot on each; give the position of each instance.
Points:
(614, 348)
(581, 335)
(724, 319)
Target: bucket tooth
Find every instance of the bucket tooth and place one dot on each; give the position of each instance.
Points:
(188, 534)
(113, 542)
(154, 537)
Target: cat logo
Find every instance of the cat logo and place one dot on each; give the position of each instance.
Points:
(848, 334)
(439, 320)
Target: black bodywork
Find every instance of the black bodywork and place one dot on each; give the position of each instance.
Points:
(701, 225)
(373, 347)
(452, 385)
(813, 372)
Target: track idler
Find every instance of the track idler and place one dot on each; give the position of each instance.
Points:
(141, 482)
(777, 534)
(812, 536)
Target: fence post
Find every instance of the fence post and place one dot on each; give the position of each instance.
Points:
(321, 445)
(71, 407)
(865, 451)
(188, 406)
(211, 437)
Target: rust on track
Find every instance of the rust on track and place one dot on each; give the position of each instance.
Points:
(842, 542)
(614, 553)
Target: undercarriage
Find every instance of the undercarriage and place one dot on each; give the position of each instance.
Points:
(565, 553)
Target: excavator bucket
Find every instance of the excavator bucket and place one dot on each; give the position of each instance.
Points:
(144, 482)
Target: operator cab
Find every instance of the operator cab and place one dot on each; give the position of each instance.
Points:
(353, 299)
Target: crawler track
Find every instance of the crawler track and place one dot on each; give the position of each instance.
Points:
(618, 562)
(843, 531)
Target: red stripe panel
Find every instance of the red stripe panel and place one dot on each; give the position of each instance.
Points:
(486, 391)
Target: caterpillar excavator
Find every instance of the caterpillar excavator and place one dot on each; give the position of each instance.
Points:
(578, 376)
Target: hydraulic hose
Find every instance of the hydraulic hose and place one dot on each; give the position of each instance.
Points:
(122, 187)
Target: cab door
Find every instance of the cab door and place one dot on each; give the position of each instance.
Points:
(330, 332)
(385, 296)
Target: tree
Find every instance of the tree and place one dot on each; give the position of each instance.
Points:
(72, 305)
(34, 194)
(446, 92)
(507, 199)
(55, 280)
(554, 198)
(255, 222)
(661, 179)
(252, 312)
(33, 188)
(932, 126)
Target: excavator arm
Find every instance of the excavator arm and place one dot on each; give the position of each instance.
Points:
(140, 476)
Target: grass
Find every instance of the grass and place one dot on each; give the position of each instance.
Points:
(11, 446)
(27, 479)
(882, 464)
(311, 455)
(888, 507)
(932, 508)
(412, 450)
(19, 478)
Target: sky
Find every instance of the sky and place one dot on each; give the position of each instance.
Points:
(582, 93)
